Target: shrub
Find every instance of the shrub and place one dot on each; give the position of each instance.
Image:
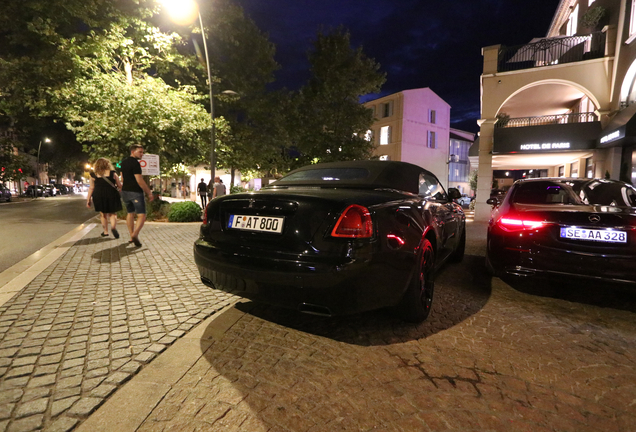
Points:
(234, 189)
(185, 211)
(156, 209)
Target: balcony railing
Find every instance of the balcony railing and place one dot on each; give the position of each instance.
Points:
(546, 120)
(551, 51)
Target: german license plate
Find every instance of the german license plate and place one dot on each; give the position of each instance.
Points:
(604, 235)
(256, 223)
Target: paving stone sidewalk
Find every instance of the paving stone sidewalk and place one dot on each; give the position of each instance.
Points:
(490, 358)
(92, 320)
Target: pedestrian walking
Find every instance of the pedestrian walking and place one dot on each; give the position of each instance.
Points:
(132, 192)
(104, 194)
(202, 190)
(219, 187)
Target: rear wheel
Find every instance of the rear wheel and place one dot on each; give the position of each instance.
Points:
(417, 301)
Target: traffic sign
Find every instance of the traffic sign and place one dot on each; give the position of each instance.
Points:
(150, 164)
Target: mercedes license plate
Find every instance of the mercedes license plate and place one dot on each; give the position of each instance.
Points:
(600, 235)
(256, 223)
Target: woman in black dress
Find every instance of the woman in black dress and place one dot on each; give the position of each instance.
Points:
(104, 191)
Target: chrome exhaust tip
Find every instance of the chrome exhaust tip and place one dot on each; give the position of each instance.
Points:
(312, 309)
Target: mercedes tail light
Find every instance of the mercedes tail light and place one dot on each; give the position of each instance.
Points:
(205, 215)
(516, 223)
(354, 222)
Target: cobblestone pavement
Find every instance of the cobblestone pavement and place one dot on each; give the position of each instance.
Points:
(92, 320)
(491, 357)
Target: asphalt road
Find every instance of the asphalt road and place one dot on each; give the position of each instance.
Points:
(27, 226)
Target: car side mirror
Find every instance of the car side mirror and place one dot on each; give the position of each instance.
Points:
(493, 202)
(454, 193)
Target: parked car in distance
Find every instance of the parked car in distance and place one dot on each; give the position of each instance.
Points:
(565, 227)
(464, 200)
(51, 189)
(5, 194)
(36, 191)
(335, 238)
(63, 189)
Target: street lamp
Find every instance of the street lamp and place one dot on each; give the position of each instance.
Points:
(183, 13)
(37, 170)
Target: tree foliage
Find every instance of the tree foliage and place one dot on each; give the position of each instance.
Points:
(13, 165)
(106, 70)
(331, 122)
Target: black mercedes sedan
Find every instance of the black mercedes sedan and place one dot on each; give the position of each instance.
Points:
(565, 227)
(335, 238)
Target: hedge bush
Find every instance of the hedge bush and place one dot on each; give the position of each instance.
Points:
(155, 209)
(185, 211)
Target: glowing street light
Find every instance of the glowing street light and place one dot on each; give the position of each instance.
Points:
(46, 140)
(185, 12)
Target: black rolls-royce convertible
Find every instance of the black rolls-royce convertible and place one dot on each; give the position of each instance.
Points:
(335, 238)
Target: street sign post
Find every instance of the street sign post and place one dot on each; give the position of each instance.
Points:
(150, 164)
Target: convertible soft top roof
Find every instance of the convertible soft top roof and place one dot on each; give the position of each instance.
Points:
(356, 174)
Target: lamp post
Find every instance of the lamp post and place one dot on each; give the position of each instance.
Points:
(183, 13)
(37, 168)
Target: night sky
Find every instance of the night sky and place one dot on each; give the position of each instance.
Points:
(418, 43)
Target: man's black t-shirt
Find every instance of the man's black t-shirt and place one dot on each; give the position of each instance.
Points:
(203, 188)
(129, 167)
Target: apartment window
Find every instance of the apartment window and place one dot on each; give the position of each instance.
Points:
(368, 136)
(589, 168)
(385, 158)
(385, 135)
(573, 21)
(561, 171)
(431, 116)
(386, 109)
(589, 3)
(574, 169)
(431, 140)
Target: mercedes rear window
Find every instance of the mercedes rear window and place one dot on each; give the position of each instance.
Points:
(544, 193)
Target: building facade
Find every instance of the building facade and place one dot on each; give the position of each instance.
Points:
(458, 160)
(562, 105)
(413, 126)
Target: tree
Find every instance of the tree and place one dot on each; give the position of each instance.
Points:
(331, 122)
(253, 113)
(13, 165)
(472, 180)
(167, 121)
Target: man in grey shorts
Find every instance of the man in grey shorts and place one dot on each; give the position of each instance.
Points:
(132, 192)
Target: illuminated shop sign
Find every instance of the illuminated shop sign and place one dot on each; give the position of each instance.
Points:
(545, 146)
(611, 136)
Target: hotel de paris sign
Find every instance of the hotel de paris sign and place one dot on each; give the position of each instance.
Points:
(546, 139)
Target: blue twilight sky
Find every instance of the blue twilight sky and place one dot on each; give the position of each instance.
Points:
(418, 43)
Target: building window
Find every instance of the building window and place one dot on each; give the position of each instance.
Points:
(574, 169)
(573, 22)
(369, 135)
(431, 116)
(386, 109)
(385, 158)
(561, 171)
(589, 168)
(372, 109)
(385, 135)
(431, 140)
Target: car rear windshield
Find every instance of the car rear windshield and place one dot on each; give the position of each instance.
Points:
(605, 192)
(327, 175)
(544, 193)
